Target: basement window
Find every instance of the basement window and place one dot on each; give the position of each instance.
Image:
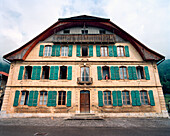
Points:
(84, 50)
(63, 72)
(45, 72)
(84, 31)
(106, 72)
(140, 72)
(61, 98)
(28, 72)
(24, 98)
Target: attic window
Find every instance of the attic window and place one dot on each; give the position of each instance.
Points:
(84, 31)
(66, 31)
(102, 31)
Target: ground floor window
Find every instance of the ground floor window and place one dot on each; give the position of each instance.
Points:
(126, 98)
(61, 98)
(43, 98)
(144, 97)
(107, 98)
(24, 98)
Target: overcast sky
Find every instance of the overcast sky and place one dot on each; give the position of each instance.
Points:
(146, 20)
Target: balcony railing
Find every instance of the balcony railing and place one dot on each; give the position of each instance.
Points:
(85, 80)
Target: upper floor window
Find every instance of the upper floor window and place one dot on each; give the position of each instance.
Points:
(24, 98)
(28, 72)
(64, 51)
(123, 73)
(66, 31)
(63, 72)
(144, 97)
(43, 98)
(140, 72)
(106, 72)
(104, 51)
(84, 31)
(126, 98)
(62, 98)
(84, 50)
(45, 72)
(107, 98)
(85, 72)
(120, 51)
(102, 31)
(48, 50)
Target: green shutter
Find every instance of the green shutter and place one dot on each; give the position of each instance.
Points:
(78, 50)
(70, 50)
(56, 68)
(69, 77)
(17, 93)
(38, 73)
(127, 51)
(152, 102)
(69, 99)
(100, 98)
(98, 50)
(53, 50)
(54, 95)
(119, 97)
(114, 95)
(91, 50)
(99, 73)
(133, 96)
(31, 96)
(50, 95)
(137, 98)
(117, 72)
(33, 77)
(41, 50)
(110, 50)
(58, 50)
(147, 73)
(112, 70)
(51, 73)
(115, 51)
(134, 73)
(130, 73)
(21, 70)
(35, 98)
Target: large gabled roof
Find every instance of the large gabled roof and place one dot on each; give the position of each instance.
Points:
(64, 23)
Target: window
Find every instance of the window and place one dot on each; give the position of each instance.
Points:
(63, 72)
(144, 97)
(48, 50)
(24, 98)
(45, 72)
(61, 98)
(120, 51)
(126, 99)
(106, 73)
(123, 73)
(140, 72)
(84, 50)
(28, 72)
(104, 51)
(84, 31)
(107, 98)
(66, 31)
(64, 51)
(84, 73)
(43, 98)
(102, 31)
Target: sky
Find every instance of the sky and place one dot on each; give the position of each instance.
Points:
(146, 20)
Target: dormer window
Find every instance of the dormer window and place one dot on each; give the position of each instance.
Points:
(66, 31)
(102, 31)
(84, 31)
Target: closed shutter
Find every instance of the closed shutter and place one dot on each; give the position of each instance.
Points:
(147, 73)
(31, 95)
(110, 50)
(78, 50)
(50, 95)
(99, 73)
(114, 95)
(91, 50)
(117, 73)
(127, 51)
(98, 50)
(130, 73)
(41, 50)
(69, 77)
(70, 50)
(17, 93)
(51, 73)
(54, 47)
(56, 69)
(115, 51)
(35, 98)
(119, 97)
(112, 70)
(21, 70)
(38, 72)
(133, 96)
(54, 95)
(34, 69)
(137, 98)
(69, 99)
(134, 73)
(100, 98)
(152, 101)
(58, 50)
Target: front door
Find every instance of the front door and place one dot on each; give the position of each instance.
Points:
(84, 101)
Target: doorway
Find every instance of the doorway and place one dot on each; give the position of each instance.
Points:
(85, 101)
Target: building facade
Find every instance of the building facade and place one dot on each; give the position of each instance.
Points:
(84, 64)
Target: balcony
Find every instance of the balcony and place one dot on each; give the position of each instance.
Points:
(84, 80)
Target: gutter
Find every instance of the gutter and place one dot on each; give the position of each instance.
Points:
(159, 62)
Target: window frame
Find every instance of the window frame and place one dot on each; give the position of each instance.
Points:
(89, 71)
(144, 77)
(43, 98)
(148, 100)
(48, 50)
(119, 51)
(61, 98)
(64, 51)
(25, 72)
(123, 73)
(104, 51)
(20, 97)
(107, 98)
(109, 73)
(42, 68)
(59, 73)
(82, 51)
(126, 100)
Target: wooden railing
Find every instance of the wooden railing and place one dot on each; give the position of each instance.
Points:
(86, 80)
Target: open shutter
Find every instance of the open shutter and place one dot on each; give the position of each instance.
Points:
(117, 72)
(38, 73)
(115, 51)
(17, 93)
(152, 101)
(119, 97)
(133, 96)
(112, 70)
(31, 95)
(78, 50)
(114, 95)
(100, 98)
(51, 73)
(69, 99)
(21, 70)
(147, 73)
(134, 73)
(99, 73)
(56, 68)
(58, 50)
(110, 50)
(33, 77)
(98, 50)
(127, 51)
(130, 73)
(69, 77)
(53, 50)
(41, 50)
(137, 98)
(70, 50)
(49, 101)
(91, 50)
(35, 98)
(54, 96)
